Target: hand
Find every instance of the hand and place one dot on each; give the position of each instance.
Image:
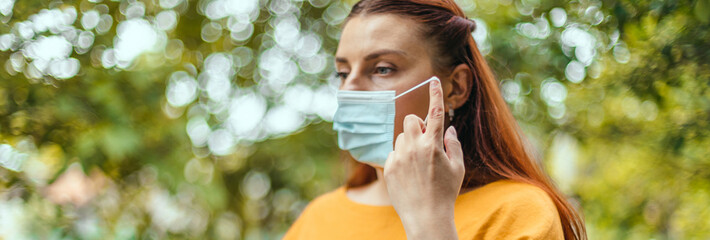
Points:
(423, 179)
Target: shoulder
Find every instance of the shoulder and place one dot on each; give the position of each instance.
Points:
(323, 205)
(313, 214)
(522, 196)
(324, 202)
(508, 194)
(513, 210)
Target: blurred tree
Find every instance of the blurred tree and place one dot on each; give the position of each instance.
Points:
(627, 132)
(211, 117)
(112, 86)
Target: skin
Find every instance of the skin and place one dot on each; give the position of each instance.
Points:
(423, 175)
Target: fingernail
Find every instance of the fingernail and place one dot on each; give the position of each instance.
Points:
(452, 130)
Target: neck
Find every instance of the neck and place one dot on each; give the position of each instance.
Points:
(373, 193)
(379, 188)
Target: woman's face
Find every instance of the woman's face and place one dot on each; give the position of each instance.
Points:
(385, 52)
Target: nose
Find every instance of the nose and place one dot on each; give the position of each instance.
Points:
(354, 82)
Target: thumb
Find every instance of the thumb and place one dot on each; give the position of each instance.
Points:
(388, 162)
(453, 146)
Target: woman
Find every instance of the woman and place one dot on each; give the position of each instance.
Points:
(462, 172)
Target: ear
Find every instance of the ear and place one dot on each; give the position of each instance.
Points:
(461, 80)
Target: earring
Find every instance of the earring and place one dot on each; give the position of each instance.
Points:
(451, 112)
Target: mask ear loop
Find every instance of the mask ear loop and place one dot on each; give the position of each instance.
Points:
(434, 78)
(451, 112)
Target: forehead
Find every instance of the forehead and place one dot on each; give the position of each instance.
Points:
(363, 34)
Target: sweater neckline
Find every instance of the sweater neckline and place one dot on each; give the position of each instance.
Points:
(341, 193)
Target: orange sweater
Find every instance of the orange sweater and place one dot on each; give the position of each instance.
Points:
(500, 210)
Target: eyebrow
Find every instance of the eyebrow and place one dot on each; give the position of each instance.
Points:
(374, 55)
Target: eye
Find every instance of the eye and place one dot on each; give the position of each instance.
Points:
(341, 75)
(384, 70)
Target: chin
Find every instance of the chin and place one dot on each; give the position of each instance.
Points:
(376, 166)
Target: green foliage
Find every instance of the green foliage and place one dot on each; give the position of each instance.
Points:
(190, 119)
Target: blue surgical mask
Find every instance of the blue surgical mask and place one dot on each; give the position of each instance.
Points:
(364, 121)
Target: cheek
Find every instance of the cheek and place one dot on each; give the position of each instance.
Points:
(416, 102)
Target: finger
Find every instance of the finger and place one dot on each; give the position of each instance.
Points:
(453, 146)
(388, 162)
(435, 122)
(398, 141)
(412, 126)
(422, 125)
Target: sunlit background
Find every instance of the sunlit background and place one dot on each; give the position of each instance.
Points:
(211, 118)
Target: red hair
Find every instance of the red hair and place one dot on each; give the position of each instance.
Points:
(492, 142)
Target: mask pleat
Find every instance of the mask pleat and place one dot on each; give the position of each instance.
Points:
(374, 113)
(360, 127)
(375, 153)
(355, 140)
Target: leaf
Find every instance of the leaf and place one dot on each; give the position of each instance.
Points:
(702, 11)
